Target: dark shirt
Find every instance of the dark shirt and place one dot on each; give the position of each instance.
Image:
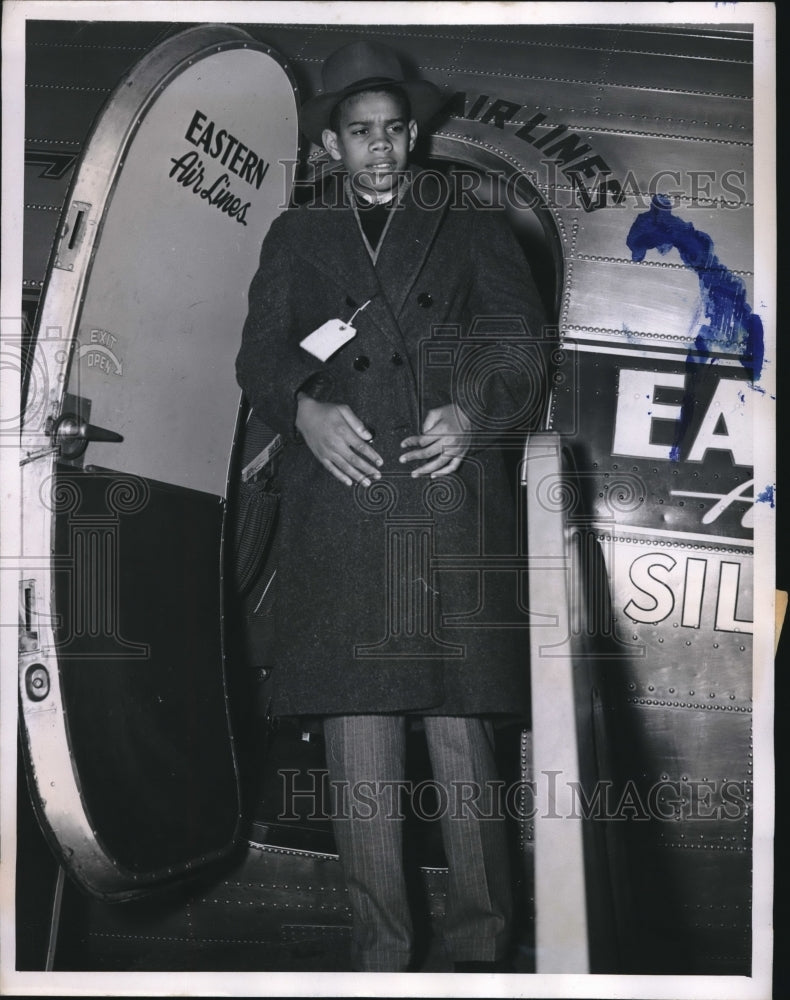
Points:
(373, 219)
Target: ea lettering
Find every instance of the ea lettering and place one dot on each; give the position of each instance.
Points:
(725, 426)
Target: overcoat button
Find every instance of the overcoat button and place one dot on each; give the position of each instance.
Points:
(397, 359)
(361, 363)
(425, 300)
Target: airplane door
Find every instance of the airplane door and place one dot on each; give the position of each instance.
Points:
(129, 426)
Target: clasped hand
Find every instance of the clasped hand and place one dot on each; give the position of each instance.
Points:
(340, 441)
(444, 442)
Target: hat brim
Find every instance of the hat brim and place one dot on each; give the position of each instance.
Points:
(425, 99)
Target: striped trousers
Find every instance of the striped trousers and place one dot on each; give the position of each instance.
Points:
(366, 763)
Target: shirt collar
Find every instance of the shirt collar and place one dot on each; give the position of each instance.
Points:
(381, 199)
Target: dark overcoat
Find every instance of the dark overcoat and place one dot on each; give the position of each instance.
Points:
(409, 595)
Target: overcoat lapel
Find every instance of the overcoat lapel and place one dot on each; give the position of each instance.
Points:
(341, 252)
(336, 247)
(410, 238)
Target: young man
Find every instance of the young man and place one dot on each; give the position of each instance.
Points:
(395, 594)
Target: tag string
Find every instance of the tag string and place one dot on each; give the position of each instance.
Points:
(359, 311)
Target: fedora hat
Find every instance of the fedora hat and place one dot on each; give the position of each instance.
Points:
(362, 66)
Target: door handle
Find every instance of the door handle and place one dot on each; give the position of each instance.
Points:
(72, 435)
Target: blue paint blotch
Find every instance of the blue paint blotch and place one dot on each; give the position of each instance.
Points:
(767, 496)
(731, 326)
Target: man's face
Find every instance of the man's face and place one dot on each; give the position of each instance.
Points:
(373, 141)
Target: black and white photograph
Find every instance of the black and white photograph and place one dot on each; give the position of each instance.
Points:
(387, 534)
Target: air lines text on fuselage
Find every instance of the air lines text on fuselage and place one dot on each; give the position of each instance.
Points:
(574, 157)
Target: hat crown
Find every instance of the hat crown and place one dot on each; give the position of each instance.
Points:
(357, 62)
(359, 66)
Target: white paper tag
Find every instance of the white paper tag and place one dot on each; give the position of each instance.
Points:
(323, 342)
